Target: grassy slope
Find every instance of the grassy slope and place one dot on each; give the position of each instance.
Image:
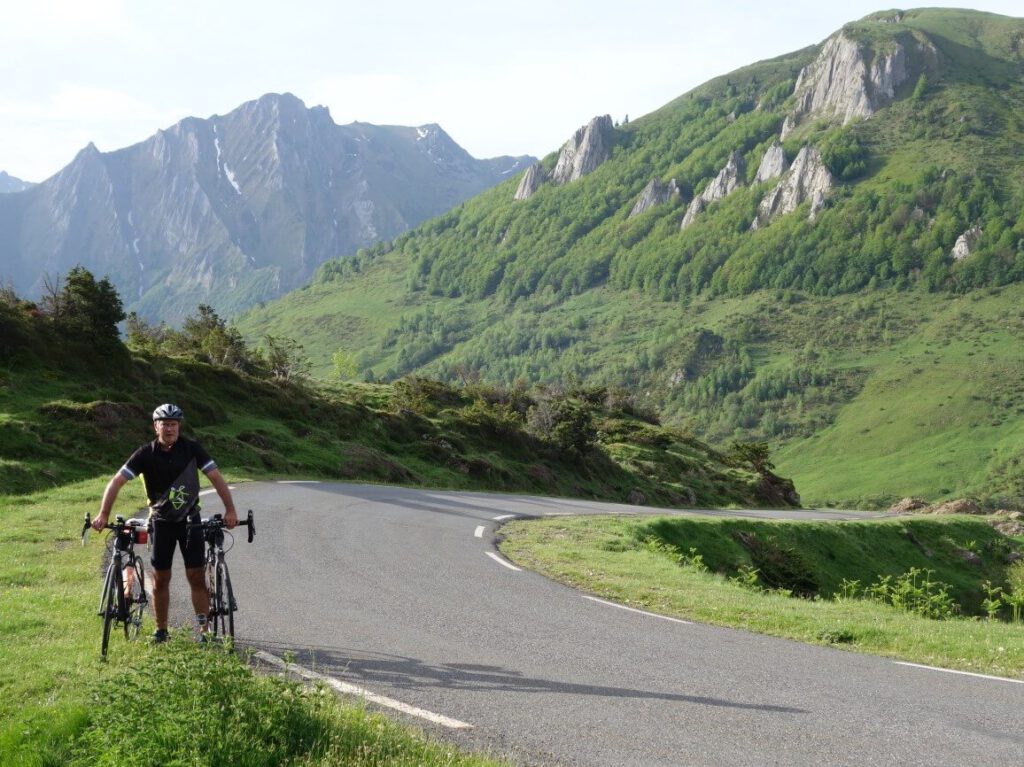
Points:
(637, 562)
(944, 368)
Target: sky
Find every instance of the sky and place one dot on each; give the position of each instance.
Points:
(501, 78)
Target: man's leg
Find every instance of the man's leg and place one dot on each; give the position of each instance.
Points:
(161, 597)
(200, 595)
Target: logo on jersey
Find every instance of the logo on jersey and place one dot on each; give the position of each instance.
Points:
(178, 497)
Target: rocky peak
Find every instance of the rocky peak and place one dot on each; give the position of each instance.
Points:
(773, 163)
(728, 178)
(655, 193)
(807, 179)
(530, 182)
(966, 243)
(589, 146)
(841, 82)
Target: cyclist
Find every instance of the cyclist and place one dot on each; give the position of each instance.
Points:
(170, 467)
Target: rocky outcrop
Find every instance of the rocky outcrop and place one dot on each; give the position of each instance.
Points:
(845, 81)
(655, 193)
(808, 179)
(728, 178)
(907, 505)
(531, 181)
(773, 164)
(590, 146)
(966, 243)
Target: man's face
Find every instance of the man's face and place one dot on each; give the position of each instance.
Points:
(166, 432)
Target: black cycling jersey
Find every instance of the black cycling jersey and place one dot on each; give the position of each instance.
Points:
(159, 467)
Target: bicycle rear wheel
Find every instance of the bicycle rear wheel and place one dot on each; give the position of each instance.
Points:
(137, 599)
(109, 606)
(223, 606)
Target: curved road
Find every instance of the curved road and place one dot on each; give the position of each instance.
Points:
(401, 593)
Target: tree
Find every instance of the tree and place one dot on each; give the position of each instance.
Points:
(208, 337)
(84, 310)
(345, 367)
(285, 358)
(755, 454)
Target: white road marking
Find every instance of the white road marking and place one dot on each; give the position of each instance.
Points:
(298, 481)
(642, 612)
(212, 490)
(479, 532)
(502, 562)
(504, 516)
(351, 689)
(964, 673)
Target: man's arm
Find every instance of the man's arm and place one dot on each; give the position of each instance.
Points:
(217, 480)
(109, 496)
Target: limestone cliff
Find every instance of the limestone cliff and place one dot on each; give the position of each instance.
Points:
(728, 178)
(589, 146)
(847, 80)
(966, 243)
(773, 164)
(808, 179)
(530, 182)
(655, 193)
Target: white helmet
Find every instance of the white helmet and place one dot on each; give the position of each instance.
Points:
(168, 412)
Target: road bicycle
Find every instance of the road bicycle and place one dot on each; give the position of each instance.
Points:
(123, 597)
(221, 618)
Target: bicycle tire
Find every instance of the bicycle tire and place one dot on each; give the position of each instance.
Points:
(223, 604)
(139, 599)
(110, 588)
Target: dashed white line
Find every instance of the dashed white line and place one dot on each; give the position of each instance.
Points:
(642, 612)
(351, 689)
(504, 516)
(964, 673)
(502, 562)
(479, 532)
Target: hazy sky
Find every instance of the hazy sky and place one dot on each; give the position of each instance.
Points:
(509, 78)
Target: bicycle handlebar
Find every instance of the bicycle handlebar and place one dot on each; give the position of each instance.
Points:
(120, 524)
(217, 522)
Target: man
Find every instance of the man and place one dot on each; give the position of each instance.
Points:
(170, 467)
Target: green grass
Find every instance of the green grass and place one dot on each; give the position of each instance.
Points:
(637, 562)
(177, 704)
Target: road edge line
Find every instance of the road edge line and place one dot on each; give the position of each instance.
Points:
(641, 612)
(962, 673)
(372, 697)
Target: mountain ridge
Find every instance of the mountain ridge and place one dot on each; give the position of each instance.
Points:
(234, 209)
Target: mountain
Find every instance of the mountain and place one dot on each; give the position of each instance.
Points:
(9, 183)
(853, 238)
(234, 209)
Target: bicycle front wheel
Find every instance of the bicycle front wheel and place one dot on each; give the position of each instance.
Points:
(223, 607)
(137, 598)
(108, 607)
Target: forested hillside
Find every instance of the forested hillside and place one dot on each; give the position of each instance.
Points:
(821, 226)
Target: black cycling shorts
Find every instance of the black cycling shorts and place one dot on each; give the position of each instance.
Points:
(165, 536)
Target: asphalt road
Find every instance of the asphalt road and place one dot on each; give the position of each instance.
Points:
(402, 594)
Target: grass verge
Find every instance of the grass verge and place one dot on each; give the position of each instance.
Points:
(170, 704)
(661, 564)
